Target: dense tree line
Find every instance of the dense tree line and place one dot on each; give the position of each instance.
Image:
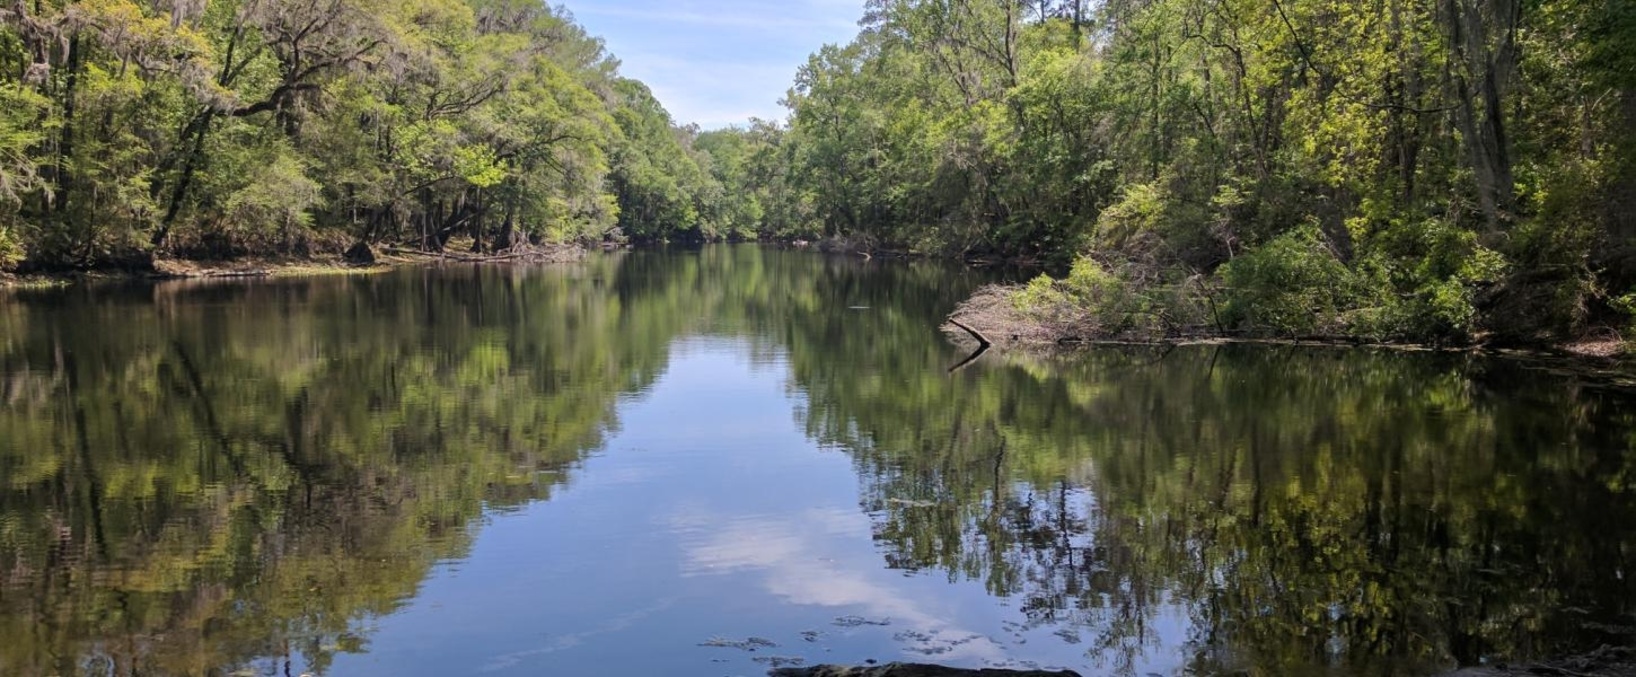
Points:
(1395, 168)
(130, 128)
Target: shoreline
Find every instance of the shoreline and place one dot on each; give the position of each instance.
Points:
(983, 320)
(181, 269)
(390, 257)
(1618, 369)
(1003, 331)
(381, 260)
(1579, 350)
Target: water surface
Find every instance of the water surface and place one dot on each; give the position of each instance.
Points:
(707, 463)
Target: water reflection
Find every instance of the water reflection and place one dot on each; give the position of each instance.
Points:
(1304, 508)
(196, 479)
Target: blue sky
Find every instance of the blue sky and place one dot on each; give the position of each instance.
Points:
(717, 62)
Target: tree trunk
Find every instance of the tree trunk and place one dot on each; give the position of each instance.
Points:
(1483, 40)
(65, 143)
(1619, 257)
(200, 128)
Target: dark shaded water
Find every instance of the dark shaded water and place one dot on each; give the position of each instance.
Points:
(667, 463)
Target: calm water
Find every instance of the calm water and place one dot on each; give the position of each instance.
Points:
(707, 463)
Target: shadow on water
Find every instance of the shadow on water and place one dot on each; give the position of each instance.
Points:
(201, 478)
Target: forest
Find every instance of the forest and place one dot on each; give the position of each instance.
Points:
(1396, 169)
(185, 128)
(1428, 170)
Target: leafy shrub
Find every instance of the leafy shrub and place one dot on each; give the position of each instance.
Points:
(1140, 209)
(1292, 284)
(1551, 282)
(1092, 300)
(11, 249)
(1421, 280)
(273, 205)
(1626, 305)
(1156, 223)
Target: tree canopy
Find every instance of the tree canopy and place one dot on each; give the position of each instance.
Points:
(1401, 169)
(130, 129)
(1424, 169)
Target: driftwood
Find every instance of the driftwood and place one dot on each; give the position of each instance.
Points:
(207, 274)
(236, 273)
(983, 344)
(517, 254)
(982, 340)
(469, 258)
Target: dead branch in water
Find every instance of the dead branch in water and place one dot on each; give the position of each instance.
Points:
(981, 339)
(983, 344)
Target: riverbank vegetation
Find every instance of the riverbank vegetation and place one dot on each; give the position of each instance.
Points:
(1432, 170)
(132, 130)
(1402, 170)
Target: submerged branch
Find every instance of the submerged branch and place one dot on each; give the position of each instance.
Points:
(983, 344)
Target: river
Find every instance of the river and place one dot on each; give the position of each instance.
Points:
(712, 462)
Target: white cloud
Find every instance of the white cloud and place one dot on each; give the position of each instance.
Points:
(789, 554)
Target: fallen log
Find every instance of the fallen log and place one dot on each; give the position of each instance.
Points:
(983, 344)
(530, 254)
(981, 339)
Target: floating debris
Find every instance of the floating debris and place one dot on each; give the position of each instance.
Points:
(750, 644)
(855, 621)
(780, 661)
(934, 643)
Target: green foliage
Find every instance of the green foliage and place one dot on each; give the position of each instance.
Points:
(1100, 301)
(227, 128)
(663, 185)
(1292, 285)
(21, 128)
(1463, 187)
(276, 201)
(1423, 281)
(1553, 281)
(1472, 186)
(12, 251)
(1626, 305)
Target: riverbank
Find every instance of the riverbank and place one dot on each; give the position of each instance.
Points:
(994, 316)
(1607, 661)
(366, 261)
(182, 269)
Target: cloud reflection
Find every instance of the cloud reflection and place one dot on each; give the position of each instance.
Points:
(796, 557)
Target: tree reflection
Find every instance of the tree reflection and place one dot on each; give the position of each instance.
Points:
(196, 478)
(1303, 508)
(200, 478)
